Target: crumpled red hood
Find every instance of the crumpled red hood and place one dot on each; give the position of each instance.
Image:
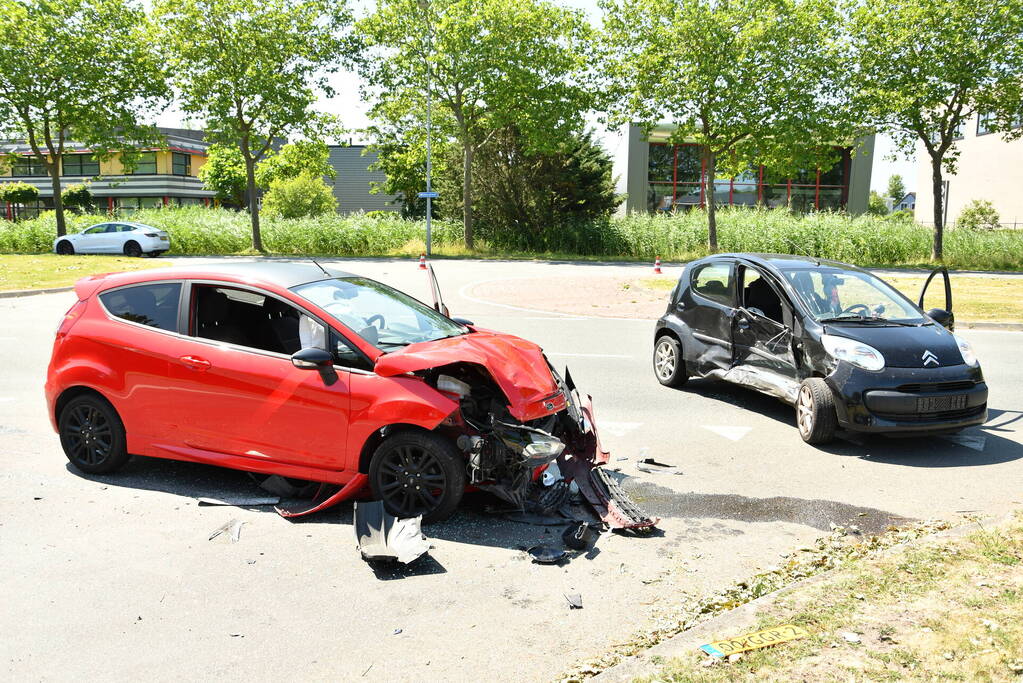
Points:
(517, 365)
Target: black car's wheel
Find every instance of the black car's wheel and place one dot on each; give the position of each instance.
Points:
(92, 435)
(65, 248)
(132, 248)
(669, 366)
(815, 411)
(418, 473)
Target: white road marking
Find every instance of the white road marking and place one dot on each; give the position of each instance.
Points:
(730, 433)
(617, 428)
(977, 443)
(587, 355)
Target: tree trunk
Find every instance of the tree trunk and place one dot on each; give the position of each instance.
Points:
(58, 203)
(467, 196)
(250, 179)
(937, 250)
(712, 225)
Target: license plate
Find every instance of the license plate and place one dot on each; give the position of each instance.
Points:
(937, 404)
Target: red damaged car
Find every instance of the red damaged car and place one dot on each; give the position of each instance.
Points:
(322, 376)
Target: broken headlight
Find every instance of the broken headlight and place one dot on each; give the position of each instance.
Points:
(852, 351)
(450, 385)
(546, 447)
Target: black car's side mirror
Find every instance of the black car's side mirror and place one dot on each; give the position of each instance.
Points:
(942, 317)
(316, 359)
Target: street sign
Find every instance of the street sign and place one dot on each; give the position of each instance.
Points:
(429, 195)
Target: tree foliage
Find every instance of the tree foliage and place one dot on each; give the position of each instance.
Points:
(18, 193)
(224, 173)
(876, 205)
(252, 71)
(489, 64)
(304, 195)
(751, 81)
(78, 197)
(304, 157)
(928, 66)
(896, 188)
(79, 70)
(979, 214)
(530, 194)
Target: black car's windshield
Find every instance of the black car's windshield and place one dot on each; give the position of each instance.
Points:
(836, 295)
(379, 314)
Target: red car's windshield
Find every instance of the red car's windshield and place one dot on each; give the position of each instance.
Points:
(379, 314)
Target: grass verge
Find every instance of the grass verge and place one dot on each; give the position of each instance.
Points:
(944, 610)
(974, 299)
(42, 271)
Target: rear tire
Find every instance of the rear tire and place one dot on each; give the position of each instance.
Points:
(669, 366)
(132, 249)
(92, 435)
(418, 473)
(815, 411)
(65, 248)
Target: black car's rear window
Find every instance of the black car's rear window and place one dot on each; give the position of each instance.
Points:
(155, 305)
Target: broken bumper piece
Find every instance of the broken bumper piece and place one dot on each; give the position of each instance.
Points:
(384, 537)
(605, 496)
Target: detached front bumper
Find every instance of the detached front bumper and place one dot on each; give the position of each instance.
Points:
(909, 400)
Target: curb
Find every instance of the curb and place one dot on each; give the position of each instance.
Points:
(51, 290)
(743, 617)
(1013, 327)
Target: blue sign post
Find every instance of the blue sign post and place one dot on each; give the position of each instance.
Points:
(428, 195)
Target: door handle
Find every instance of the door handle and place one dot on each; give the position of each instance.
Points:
(196, 363)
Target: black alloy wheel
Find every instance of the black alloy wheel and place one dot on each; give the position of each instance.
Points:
(65, 248)
(418, 473)
(92, 435)
(132, 249)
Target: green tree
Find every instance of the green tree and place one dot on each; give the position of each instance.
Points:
(979, 214)
(527, 197)
(928, 66)
(751, 81)
(252, 71)
(18, 193)
(224, 173)
(304, 195)
(896, 188)
(77, 197)
(304, 157)
(488, 63)
(400, 147)
(876, 205)
(79, 70)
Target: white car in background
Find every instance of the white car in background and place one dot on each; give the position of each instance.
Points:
(115, 237)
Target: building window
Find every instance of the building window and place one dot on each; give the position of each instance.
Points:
(181, 164)
(146, 164)
(28, 166)
(79, 164)
(676, 173)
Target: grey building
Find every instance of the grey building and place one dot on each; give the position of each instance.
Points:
(659, 175)
(353, 182)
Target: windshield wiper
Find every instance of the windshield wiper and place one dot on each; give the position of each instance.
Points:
(868, 319)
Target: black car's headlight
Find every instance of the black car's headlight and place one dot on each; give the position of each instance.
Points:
(854, 352)
(966, 350)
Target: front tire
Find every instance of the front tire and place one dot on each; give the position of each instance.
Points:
(132, 249)
(418, 473)
(815, 411)
(669, 366)
(92, 435)
(65, 248)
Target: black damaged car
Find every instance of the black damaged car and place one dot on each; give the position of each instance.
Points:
(845, 348)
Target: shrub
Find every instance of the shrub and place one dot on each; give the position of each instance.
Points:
(979, 214)
(18, 193)
(305, 195)
(77, 197)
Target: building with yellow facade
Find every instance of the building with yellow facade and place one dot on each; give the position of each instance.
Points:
(167, 176)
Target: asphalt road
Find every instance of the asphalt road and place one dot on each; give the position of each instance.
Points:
(113, 577)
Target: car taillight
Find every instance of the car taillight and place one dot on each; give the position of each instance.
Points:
(70, 317)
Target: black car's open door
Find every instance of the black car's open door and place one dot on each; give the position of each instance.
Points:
(942, 316)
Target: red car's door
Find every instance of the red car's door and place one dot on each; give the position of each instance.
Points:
(234, 389)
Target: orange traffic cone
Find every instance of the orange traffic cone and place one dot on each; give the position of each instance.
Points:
(422, 262)
(657, 266)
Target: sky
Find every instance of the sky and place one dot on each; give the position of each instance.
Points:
(347, 105)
